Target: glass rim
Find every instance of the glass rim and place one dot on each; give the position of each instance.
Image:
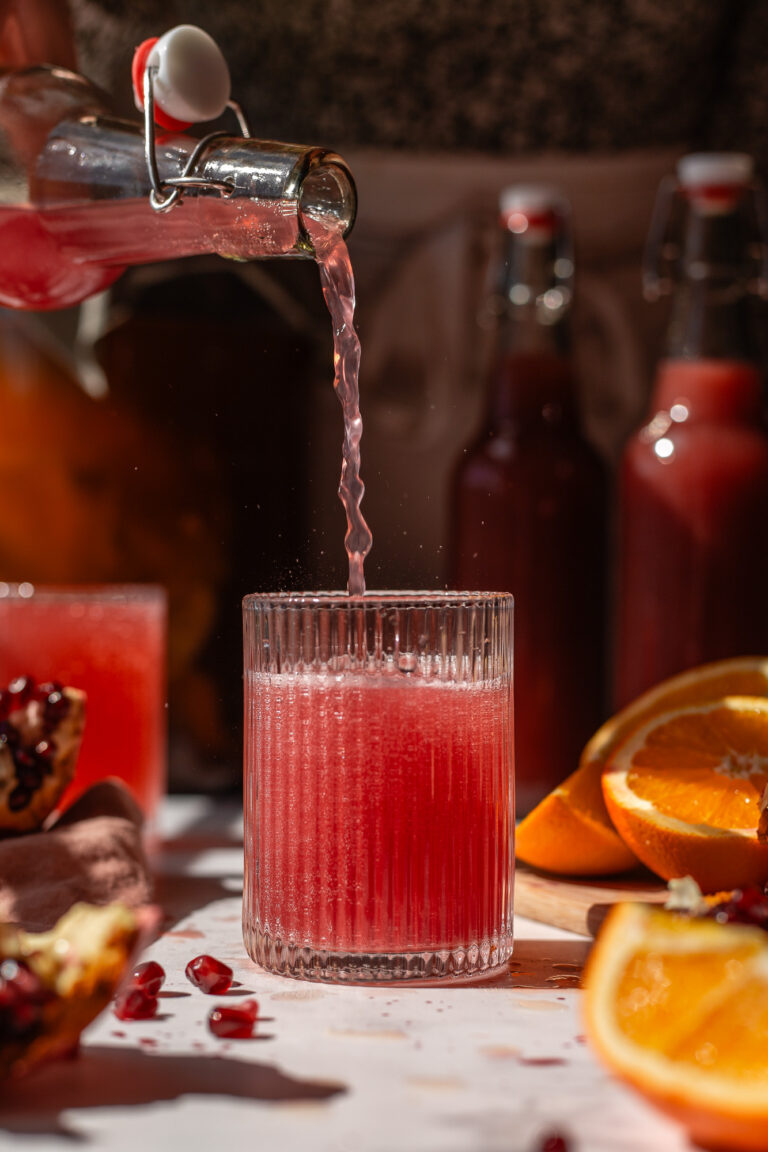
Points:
(119, 590)
(375, 599)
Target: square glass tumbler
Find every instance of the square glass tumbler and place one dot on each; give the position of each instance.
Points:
(110, 641)
(379, 794)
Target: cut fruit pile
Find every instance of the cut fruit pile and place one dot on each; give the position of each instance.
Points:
(53, 984)
(675, 781)
(678, 1008)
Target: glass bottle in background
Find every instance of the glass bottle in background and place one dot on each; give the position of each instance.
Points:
(528, 498)
(693, 545)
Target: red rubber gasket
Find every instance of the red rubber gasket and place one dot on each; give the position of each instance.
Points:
(138, 68)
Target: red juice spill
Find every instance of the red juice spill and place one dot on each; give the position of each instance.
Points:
(338, 286)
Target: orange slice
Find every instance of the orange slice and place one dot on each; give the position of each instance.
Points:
(679, 1009)
(684, 792)
(570, 831)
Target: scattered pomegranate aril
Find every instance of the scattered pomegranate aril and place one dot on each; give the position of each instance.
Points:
(135, 1003)
(234, 1023)
(209, 975)
(150, 976)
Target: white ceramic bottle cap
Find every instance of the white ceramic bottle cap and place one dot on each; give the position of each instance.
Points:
(192, 82)
(715, 170)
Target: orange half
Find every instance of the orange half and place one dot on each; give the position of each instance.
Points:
(679, 1009)
(684, 792)
(570, 831)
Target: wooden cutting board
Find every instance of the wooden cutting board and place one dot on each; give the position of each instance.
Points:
(579, 905)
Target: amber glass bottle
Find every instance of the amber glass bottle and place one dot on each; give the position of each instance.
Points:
(528, 499)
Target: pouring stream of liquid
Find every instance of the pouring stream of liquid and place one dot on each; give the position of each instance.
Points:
(338, 287)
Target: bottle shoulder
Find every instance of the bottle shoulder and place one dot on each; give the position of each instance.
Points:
(698, 465)
(701, 391)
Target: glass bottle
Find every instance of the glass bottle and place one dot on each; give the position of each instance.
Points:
(170, 468)
(528, 498)
(693, 551)
(75, 190)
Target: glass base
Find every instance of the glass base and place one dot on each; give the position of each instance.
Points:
(307, 963)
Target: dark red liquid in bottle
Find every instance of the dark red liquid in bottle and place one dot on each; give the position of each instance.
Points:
(528, 516)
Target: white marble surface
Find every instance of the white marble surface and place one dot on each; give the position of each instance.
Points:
(492, 1067)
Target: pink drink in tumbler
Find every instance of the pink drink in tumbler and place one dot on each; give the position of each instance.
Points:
(379, 794)
(110, 641)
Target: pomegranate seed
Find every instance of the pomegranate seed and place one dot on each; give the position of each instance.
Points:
(55, 708)
(20, 690)
(209, 975)
(150, 976)
(44, 690)
(134, 1003)
(235, 1023)
(19, 798)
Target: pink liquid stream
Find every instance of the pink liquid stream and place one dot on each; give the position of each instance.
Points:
(338, 286)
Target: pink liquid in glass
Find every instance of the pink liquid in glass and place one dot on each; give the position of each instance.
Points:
(383, 812)
(112, 646)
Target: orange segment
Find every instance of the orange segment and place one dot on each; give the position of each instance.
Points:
(742, 676)
(570, 832)
(684, 792)
(679, 1009)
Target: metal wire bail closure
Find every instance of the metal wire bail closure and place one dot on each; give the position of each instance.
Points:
(167, 193)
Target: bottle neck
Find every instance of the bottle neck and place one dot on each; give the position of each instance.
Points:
(531, 388)
(531, 379)
(712, 305)
(75, 190)
(254, 199)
